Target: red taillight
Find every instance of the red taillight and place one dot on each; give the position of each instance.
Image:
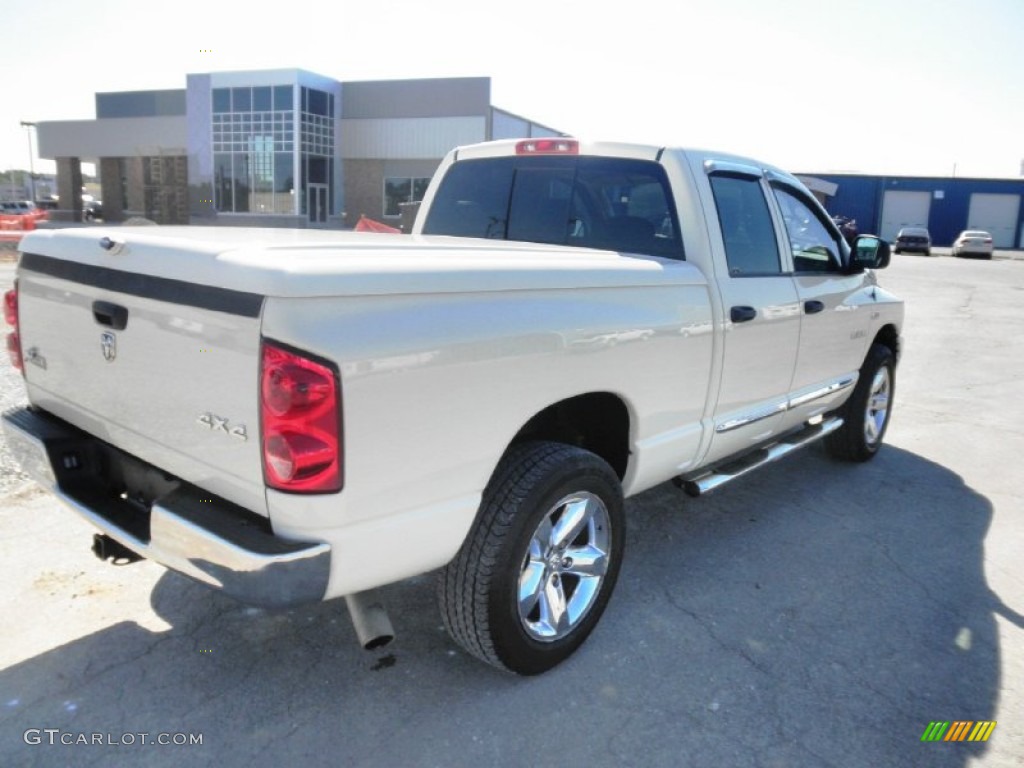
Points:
(11, 317)
(300, 412)
(11, 307)
(548, 147)
(14, 350)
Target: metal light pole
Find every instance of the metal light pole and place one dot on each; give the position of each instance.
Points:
(31, 163)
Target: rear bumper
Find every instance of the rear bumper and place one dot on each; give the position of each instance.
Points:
(206, 538)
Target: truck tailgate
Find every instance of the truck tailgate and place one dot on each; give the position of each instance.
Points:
(164, 369)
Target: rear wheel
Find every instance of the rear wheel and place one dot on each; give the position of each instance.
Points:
(866, 414)
(534, 576)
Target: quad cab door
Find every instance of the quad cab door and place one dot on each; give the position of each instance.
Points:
(762, 312)
(835, 307)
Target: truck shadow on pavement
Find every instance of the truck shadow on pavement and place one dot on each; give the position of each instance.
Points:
(815, 615)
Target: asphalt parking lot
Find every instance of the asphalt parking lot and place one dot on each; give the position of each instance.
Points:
(812, 614)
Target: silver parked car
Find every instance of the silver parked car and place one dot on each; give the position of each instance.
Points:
(973, 242)
(913, 239)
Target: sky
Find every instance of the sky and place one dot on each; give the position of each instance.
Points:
(900, 87)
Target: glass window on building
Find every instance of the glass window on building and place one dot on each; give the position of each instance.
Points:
(317, 102)
(316, 170)
(253, 139)
(261, 99)
(241, 99)
(221, 100)
(398, 190)
(419, 188)
(261, 173)
(223, 182)
(243, 183)
(283, 98)
(284, 182)
(316, 147)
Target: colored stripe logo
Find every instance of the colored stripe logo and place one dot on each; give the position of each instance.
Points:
(958, 730)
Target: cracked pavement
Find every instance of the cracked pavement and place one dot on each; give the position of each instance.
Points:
(811, 614)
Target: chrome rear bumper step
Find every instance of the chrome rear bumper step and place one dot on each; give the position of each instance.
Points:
(183, 528)
(709, 480)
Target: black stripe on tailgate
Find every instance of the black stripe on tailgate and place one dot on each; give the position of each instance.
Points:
(147, 286)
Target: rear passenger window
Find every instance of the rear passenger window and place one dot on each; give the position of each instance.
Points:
(589, 202)
(750, 245)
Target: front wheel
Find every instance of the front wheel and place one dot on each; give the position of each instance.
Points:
(534, 575)
(866, 414)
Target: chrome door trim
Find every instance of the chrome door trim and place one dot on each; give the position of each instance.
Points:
(836, 386)
(761, 414)
(755, 416)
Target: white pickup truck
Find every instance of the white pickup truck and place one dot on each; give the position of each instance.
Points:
(293, 416)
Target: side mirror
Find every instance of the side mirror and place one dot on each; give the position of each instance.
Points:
(869, 252)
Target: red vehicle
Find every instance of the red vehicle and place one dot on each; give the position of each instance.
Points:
(24, 208)
(15, 219)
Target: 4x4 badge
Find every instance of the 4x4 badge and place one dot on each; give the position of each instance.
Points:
(108, 343)
(215, 423)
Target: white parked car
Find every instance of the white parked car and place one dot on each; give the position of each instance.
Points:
(973, 242)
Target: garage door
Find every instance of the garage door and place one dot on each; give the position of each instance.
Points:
(904, 209)
(996, 214)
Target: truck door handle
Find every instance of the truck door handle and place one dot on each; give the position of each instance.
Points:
(742, 314)
(813, 307)
(111, 315)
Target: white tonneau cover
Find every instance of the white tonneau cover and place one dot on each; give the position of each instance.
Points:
(287, 262)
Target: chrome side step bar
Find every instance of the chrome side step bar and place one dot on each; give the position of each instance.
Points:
(698, 485)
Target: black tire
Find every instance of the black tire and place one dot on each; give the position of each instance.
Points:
(896, 251)
(479, 591)
(867, 413)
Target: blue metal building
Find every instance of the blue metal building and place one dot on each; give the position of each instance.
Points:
(946, 206)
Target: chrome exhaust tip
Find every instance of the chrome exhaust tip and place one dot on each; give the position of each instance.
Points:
(370, 620)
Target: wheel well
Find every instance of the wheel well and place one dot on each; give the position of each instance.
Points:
(597, 422)
(889, 337)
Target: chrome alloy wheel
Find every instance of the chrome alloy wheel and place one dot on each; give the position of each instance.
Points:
(877, 411)
(564, 567)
